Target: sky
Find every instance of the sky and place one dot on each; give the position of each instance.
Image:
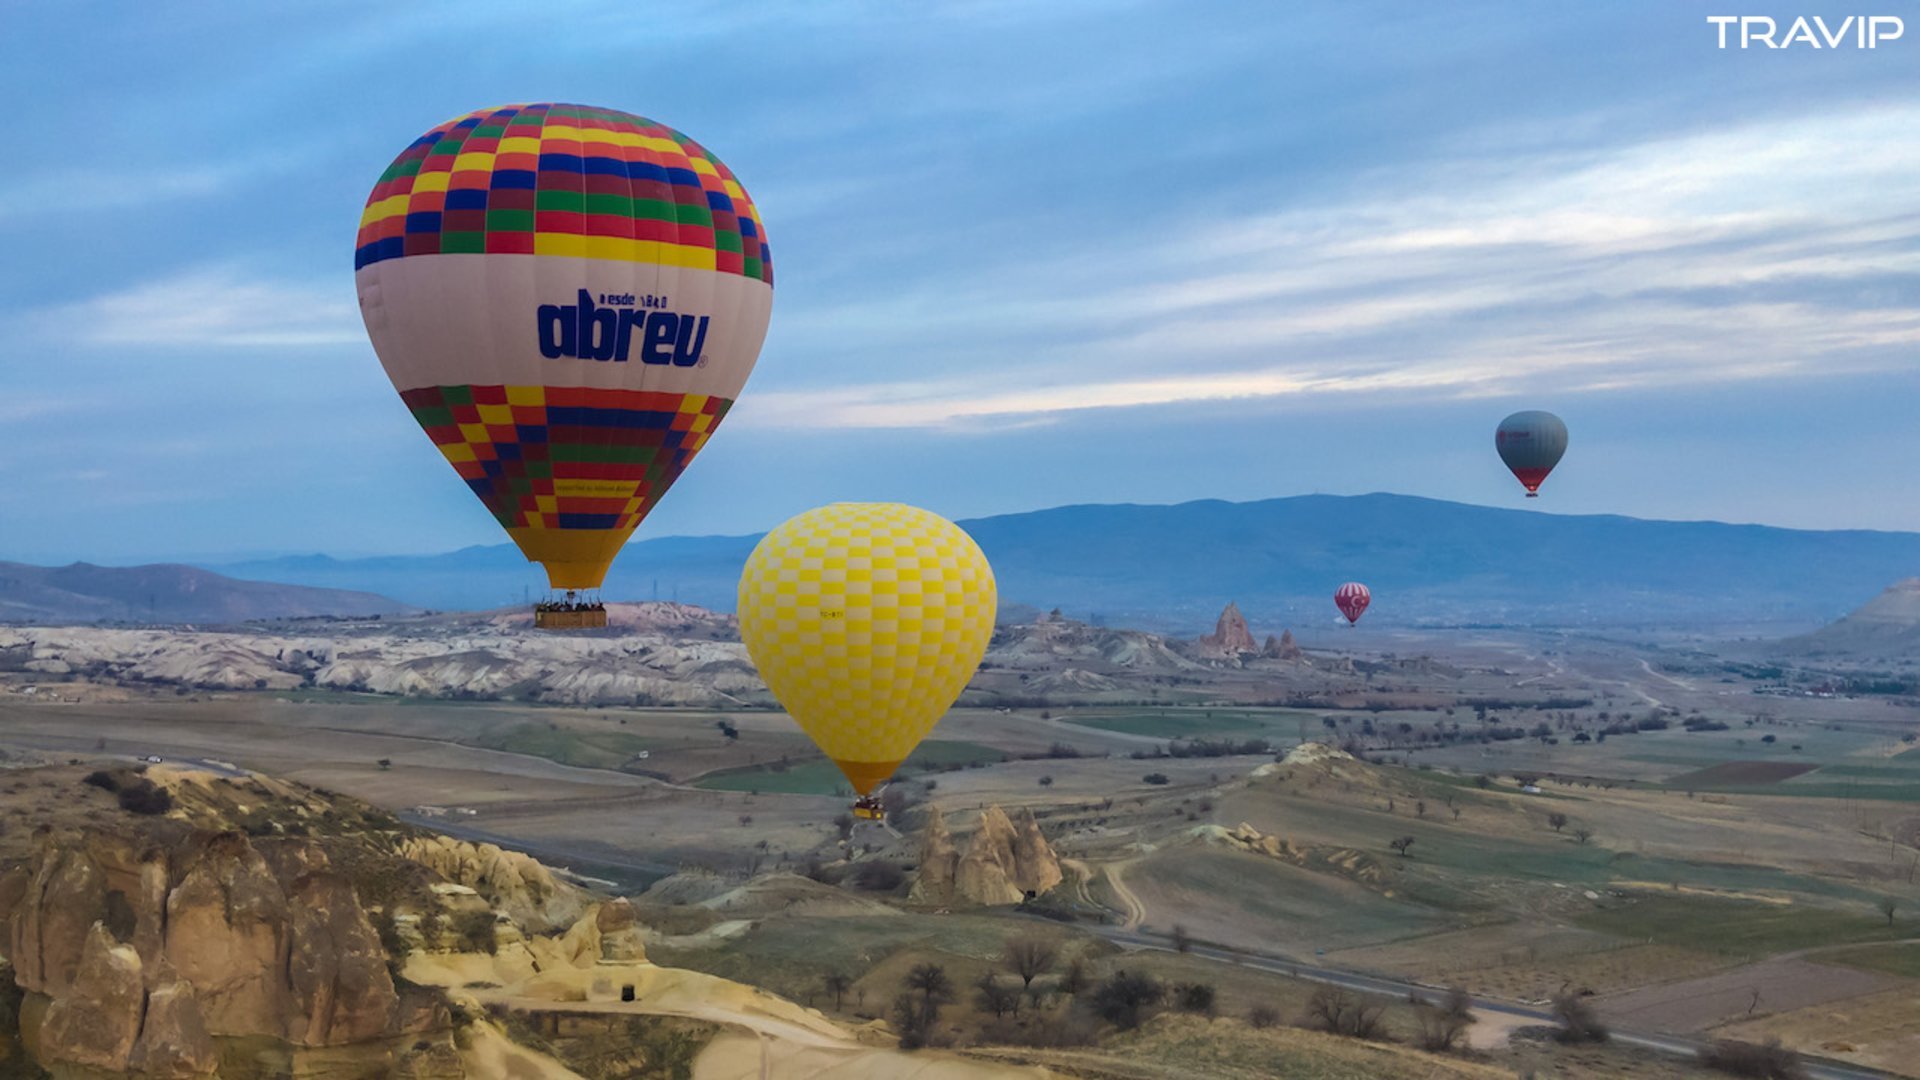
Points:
(1028, 255)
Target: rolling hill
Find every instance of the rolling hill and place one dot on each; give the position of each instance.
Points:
(1885, 628)
(1172, 567)
(84, 593)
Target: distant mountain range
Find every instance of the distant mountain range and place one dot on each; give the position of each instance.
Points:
(1172, 567)
(84, 593)
(1886, 627)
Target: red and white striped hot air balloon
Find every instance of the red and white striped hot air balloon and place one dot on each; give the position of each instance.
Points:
(1352, 600)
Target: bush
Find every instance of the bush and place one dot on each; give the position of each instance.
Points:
(1155, 778)
(1263, 1016)
(990, 995)
(881, 875)
(103, 780)
(1762, 1061)
(1442, 1025)
(474, 931)
(145, 797)
(1194, 998)
(1343, 1013)
(1579, 1023)
(1125, 999)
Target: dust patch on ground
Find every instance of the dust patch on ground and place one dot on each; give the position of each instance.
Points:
(1771, 986)
(1879, 1029)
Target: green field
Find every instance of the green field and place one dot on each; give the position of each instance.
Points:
(818, 776)
(1902, 960)
(1196, 723)
(583, 749)
(1739, 928)
(789, 955)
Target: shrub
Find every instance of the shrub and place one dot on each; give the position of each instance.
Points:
(1338, 1011)
(1194, 998)
(145, 797)
(474, 931)
(1125, 999)
(1762, 1061)
(1263, 1016)
(1074, 979)
(1442, 1025)
(881, 875)
(1155, 778)
(1579, 1023)
(990, 995)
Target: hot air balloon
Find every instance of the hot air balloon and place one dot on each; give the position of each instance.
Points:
(1352, 600)
(1531, 444)
(569, 300)
(866, 620)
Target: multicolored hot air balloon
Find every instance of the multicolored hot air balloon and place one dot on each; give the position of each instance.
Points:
(568, 299)
(867, 620)
(1531, 443)
(1352, 600)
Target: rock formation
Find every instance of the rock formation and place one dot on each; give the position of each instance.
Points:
(1006, 861)
(97, 1021)
(227, 931)
(1230, 635)
(508, 880)
(173, 1037)
(1282, 647)
(609, 933)
(252, 947)
(939, 861)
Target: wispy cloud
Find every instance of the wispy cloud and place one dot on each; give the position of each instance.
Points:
(210, 307)
(1762, 252)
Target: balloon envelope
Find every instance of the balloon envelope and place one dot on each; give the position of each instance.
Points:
(867, 620)
(568, 299)
(1352, 600)
(1531, 443)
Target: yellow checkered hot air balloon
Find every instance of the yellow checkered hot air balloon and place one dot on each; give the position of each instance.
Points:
(867, 620)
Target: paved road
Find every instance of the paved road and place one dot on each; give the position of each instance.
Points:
(1678, 1046)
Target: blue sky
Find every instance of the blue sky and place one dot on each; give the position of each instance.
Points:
(1029, 254)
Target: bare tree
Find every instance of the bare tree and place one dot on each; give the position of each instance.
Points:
(1182, 942)
(1889, 905)
(836, 983)
(1342, 1013)
(917, 1009)
(931, 981)
(1030, 957)
(1401, 844)
(1074, 979)
(1578, 1021)
(1442, 1024)
(1583, 834)
(989, 995)
(1558, 820)
(1124, 999)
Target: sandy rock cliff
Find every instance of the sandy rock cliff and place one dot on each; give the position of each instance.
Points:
(509, 881)
(148, 946)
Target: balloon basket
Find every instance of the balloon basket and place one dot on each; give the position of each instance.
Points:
(591, 619)
(869, 808)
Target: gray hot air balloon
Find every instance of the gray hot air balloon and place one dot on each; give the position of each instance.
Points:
(1531, 443)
